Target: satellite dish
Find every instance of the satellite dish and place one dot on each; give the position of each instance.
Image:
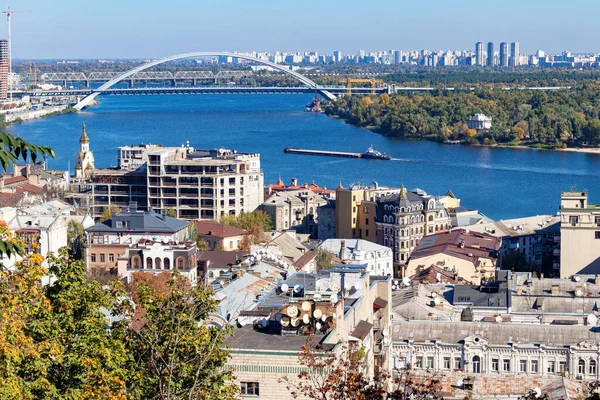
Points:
(241, 322)
(406, 281)
(438, 277)
(437, 301)
(295, 322)
(324, 318)
(333, 298)
(592, 320)
(285, 321)
(576, 278)
(317, 313)
(318, 326)
(387, 340)
(292, 311)
(306, 318)
(335, 287)
(306, 306)
(433, 295)
(297, 288)
(498, 318)
(384, 332)
(578, 292)
(396, 282)
(358, 285)
(537, 392)
(285, 288)
(394, 287)
(460, 383)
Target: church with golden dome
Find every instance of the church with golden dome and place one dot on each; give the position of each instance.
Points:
(84, 159)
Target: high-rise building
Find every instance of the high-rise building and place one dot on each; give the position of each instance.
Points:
(397, 56)
(3, 69)
(337, 56)
(490, 54)
(514, 54)
(479, 53)
(504, 54)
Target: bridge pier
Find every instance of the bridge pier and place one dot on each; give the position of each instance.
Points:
(173, 83)
(87, 83)
(130, 84)
(194, 82)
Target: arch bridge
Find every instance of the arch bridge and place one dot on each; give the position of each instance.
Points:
(308, 82)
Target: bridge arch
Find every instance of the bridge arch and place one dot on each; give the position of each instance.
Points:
(309, 82)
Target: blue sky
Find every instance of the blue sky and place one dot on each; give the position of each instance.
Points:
(151, 28)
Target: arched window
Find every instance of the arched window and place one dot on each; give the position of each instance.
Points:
(431, 218)
(135, 262)
(385, 219)
(180, 263)
(157, 263)
(167, 263)
(476, 365)
(437, 228)
(149, 263)
(592, 368)
(581, 367)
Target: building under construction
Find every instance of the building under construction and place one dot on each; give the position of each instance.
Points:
(4, 69)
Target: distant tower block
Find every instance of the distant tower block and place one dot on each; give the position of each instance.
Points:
(84, 159)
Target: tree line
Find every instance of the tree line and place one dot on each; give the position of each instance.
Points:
(535, 118)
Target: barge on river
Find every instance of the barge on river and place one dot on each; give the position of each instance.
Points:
(369, 154)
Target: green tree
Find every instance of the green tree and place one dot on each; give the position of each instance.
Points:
(171, 212)
(108, 212)
(176, 352)
(75, 236)
(515, 260)
(324, 259)
(256, 223)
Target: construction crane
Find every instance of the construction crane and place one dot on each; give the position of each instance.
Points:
(350, 81)
(9, 13)
(33, 72)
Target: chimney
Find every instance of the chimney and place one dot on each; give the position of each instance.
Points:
(596, 280)
(294, 181)
(132, 206)
(342, 253)
(542, 276)
(555, 290)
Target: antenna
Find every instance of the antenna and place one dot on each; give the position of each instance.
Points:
(9, 13)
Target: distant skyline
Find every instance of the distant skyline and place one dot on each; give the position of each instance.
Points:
(72, 29)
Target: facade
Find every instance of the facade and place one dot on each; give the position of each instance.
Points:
(379, 259)
(471, 256)
(280, 186)
(490, 55)
(265, 346)
(204, 184)
(504, 54)
(4, 69)
(109, 239)
(326, 222)
(535, 237)
(159, 256)
(84, 159)
(296, 210)
(479, 53)
(115, 188)
(579, 234)
(220, 236)
(480, 122)
(514, 54)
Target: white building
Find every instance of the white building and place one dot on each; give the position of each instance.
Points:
(480, 122)
(378, 258)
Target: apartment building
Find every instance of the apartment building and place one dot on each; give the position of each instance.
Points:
(296, 210)
(579, 234)
(204, 184)
(108, 240)
(344, 304)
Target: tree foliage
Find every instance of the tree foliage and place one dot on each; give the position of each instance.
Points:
(545, 119)
(324, 259)
(108, 212)
(256, 223)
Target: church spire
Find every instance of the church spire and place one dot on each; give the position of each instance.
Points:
(84, 137)
(403, 194)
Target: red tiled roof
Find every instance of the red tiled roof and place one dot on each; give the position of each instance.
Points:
(430, 275)
(221, 258)
(459, 243)
(305, 259)
(27, 187)
(15, 179)
(211, 228)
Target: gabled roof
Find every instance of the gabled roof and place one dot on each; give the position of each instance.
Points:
(212, 228)
(458, 243)
(289, 246)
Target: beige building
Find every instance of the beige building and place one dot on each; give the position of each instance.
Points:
(346, 305)
(84, 159)
(579, 234)
(471, 256)
(220, 236)
(296, 210)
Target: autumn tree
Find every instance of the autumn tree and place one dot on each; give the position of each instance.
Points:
(256, 223)
(324, 259)
(108, 212)
(176, 353)
(75, 237)
(171, 212)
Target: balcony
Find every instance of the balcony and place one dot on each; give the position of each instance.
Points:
(168, 183)
(169, 195)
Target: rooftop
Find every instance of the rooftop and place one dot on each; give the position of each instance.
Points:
(248, 337)
(133, 220)
(212, 228)
(516, 227)
(459, 243)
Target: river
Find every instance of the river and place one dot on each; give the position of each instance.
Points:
(501, 183)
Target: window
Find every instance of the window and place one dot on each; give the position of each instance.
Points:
(522, 365)
(111, 258)
(562, 366)
(367, 233)
(419, 363)
(494, 364)
(592, 367)
(581, 367)
(457, 363)
(446, 362)
(597, 233)
(476, 364)
(93, 257)
(249, 388)
(231, 244)
(597, 220)
(506, 365)
(534, 366)
(429, 362)
(573, 221)
(551, 367)
(102, 257)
